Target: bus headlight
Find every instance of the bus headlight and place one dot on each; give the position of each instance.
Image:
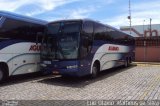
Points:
(71, 67)
(43, 65)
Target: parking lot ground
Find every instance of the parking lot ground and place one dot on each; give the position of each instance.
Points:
(132, 83)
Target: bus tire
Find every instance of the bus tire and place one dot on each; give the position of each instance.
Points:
(126, 64)
(129, 61)
(95, 70)
(2, 75)
(4, 72)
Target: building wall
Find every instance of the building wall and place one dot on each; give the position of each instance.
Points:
(147, 45)
(147, 49)
(147, 54)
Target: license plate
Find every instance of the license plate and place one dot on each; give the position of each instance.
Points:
(47, 62)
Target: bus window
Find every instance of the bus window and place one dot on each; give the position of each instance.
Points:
(68, 46)
(13, 29)
(2, 20)
(86, 44)
(99, 32)
(109, 34)
(20, 30)
(88, 27)
(50, 27)
(86, 38)
(67, 35)
(71, 27)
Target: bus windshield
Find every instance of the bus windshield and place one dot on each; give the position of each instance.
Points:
(62, 41)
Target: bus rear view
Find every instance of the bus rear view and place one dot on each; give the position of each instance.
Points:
(84, 47)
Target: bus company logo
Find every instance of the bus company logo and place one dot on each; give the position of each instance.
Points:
(113, 48)
(35, 48)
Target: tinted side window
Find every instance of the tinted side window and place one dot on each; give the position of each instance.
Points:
(88, 27)
(122, 38)
(128, 40)
(34, 31)
(86, 44)
(16, 29)
(11, 28)
(109, 34)
(1, 21)
(86, 38)
(99, 32)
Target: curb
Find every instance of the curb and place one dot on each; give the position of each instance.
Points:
(146, 63)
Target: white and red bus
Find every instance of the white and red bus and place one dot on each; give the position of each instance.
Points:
(19, 47)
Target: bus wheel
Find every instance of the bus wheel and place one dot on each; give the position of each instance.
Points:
(129, 61)
(2, 75)
(126, 63)
(94, 71)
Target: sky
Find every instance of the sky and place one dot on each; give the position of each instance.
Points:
(111, 12)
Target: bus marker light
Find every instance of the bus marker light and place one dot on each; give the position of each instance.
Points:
(81, 65)
(55, 72)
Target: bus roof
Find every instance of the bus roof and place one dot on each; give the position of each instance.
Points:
(92, 21)
(65, 20)
(22, 18)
